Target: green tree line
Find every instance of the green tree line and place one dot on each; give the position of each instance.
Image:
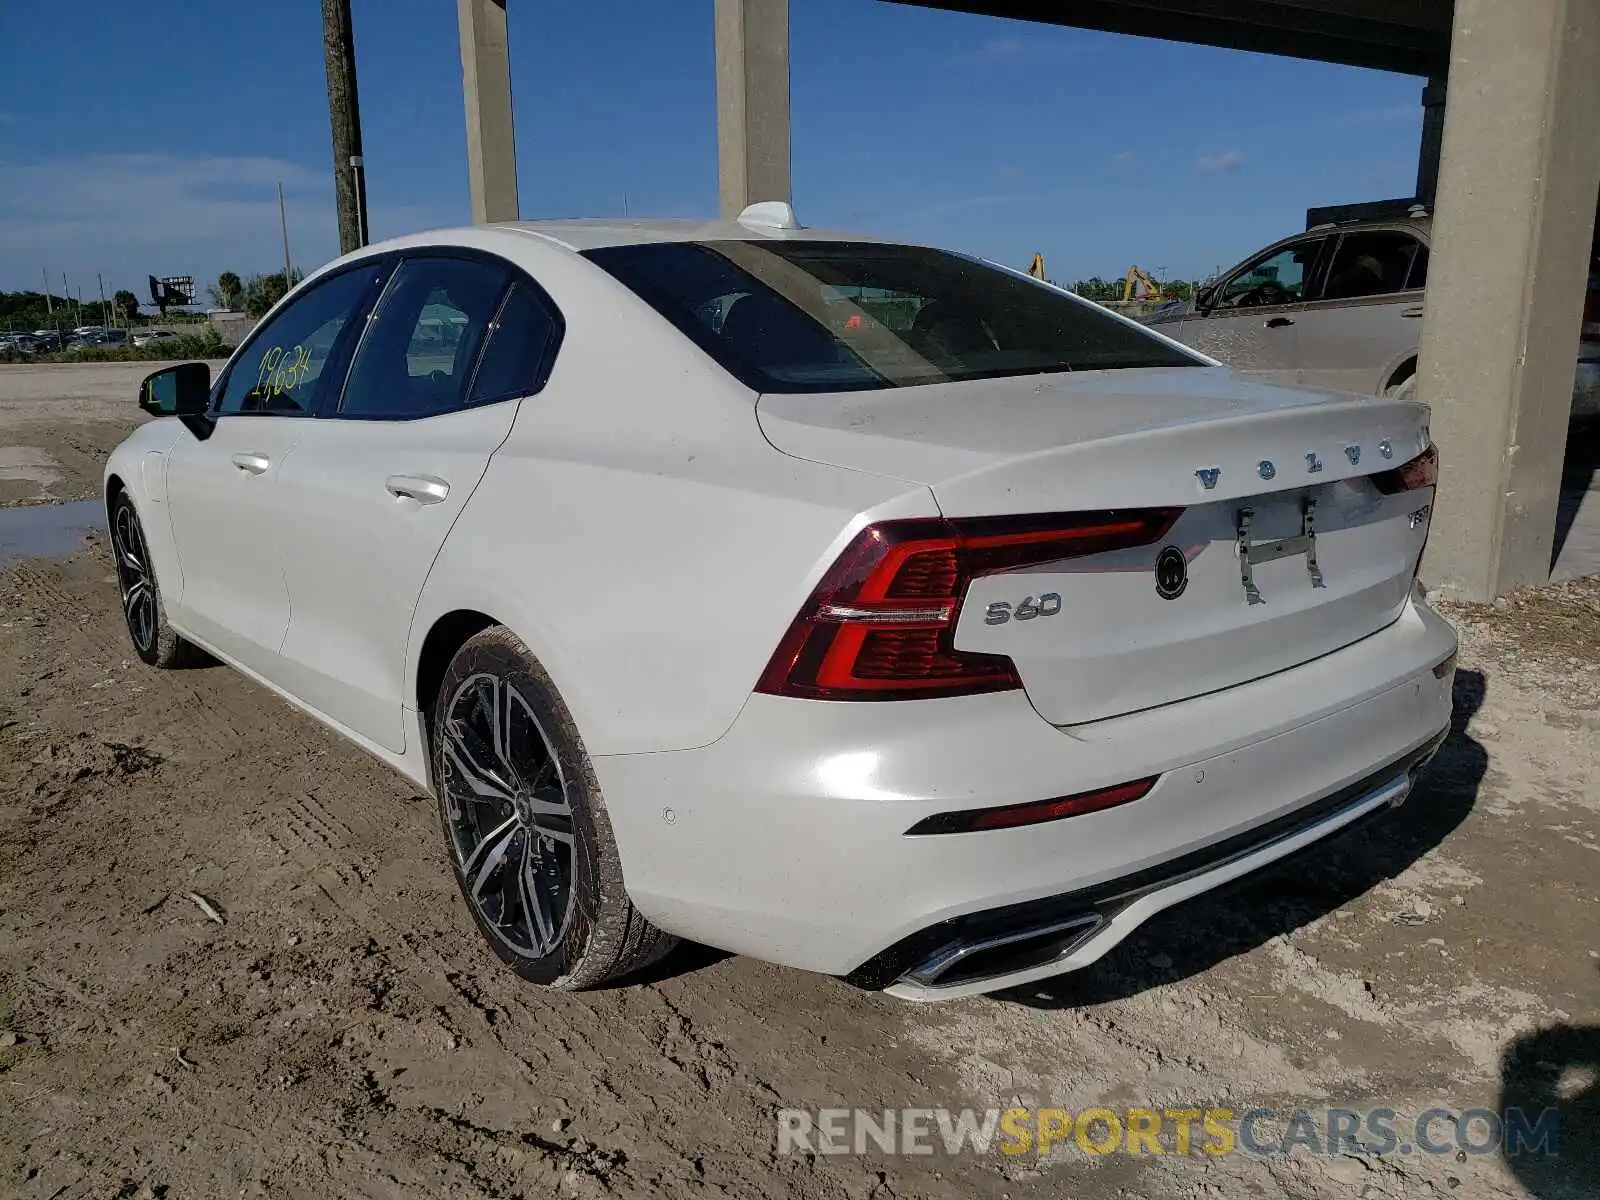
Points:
(1102, 290)
(252, 295)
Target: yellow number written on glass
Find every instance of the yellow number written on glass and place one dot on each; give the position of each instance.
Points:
(283, 370)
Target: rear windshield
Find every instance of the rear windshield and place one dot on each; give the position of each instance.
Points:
(807, 316)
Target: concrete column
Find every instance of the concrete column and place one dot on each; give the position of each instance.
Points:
(1432, 141)
(752, 102)
(486, 89)
(1511, 237)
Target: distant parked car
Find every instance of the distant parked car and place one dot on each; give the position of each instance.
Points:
(152, 337)
(99, 339)
(1339, 307)
(47, 339)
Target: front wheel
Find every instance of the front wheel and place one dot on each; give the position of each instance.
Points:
(525, 824)
(156, 642)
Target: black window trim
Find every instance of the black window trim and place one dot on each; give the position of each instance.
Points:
(1325, 262)
(515, 276)
(336, 359)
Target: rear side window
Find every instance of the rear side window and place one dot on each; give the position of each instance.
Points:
(421, 350)
(813, 316)
(521, 340)
(1419, 269)
(1370, 264)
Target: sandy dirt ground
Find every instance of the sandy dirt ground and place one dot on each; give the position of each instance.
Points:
(339, 1031)
(57, 424)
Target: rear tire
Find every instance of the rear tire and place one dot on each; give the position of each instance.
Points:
(525, 824)
(143, 613)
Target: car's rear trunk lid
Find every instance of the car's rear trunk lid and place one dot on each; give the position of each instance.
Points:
(1249, 464)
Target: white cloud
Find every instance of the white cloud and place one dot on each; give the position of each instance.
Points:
(1220, 164)
(129, 215)
(1011, 50)
(1001, 50)
(1122, 158)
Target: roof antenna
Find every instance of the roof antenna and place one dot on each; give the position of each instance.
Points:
(769, 214)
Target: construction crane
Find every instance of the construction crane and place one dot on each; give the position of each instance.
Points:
(1136, 281)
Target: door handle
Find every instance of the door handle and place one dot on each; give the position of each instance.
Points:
(252, 464)
(424, 489)
(1279, 322)
(1413, 311)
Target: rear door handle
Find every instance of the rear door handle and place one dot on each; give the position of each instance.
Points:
(424, 489)
(1414, 311)
(1279, 322)
(252, 464)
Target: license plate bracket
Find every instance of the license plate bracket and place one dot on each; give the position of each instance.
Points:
(1253, 554)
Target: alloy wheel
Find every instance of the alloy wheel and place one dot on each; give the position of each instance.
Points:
(509, 815)
(133, 573)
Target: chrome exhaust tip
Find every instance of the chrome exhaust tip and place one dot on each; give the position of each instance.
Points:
(977, 959)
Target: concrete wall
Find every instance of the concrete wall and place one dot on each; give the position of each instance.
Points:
(1518, 175)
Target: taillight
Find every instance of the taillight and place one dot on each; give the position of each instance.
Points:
(881, 623)
(1422, 471)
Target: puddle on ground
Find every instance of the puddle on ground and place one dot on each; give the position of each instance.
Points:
(47, 530)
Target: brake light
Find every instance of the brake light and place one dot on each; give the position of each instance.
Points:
(881, 623)
(1422, 471)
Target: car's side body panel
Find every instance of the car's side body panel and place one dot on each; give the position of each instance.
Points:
(140, 464)
(638, 532)
(225, 508)
(354, 554)
(1354, 345)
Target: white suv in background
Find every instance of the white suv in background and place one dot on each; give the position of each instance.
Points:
(1339, 307)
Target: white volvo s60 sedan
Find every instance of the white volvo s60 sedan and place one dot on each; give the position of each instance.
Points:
(860, 606)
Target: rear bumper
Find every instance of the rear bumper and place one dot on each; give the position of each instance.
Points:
(786, 838)
(1022, 943)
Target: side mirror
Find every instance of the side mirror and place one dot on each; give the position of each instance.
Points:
(180, 391)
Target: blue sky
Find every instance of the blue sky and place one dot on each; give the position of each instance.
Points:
(149, 138)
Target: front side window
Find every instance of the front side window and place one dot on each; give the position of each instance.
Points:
(282, 368)
(1376, 263)
(814, 316)
(1276, 278)
(418, 356)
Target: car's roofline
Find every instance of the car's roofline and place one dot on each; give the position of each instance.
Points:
(580, 234)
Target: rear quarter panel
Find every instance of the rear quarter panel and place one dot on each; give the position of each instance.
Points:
(638, 532)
